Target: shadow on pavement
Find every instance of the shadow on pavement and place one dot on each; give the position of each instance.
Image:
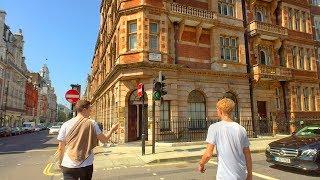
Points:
(295, 171)
(33, 141)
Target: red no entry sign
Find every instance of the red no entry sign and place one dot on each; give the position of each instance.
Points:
(140, 89)
(72, 96)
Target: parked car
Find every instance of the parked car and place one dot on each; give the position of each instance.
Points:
(38, 128)
(5, 131)
(16, 131)
(29, 126)
(301, 150)
(54, 129)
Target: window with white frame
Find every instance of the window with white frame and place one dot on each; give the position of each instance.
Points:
(132, 35)
(303, 24)
(226, 7)
(301, 58)
(264, 57)
(297, 21)
(165, 116)
(229, 48)
(306, 99)
(290, 19)
(317, 27)
(154, 36)
(259, 16)
(196, 110)
(308, 63)
(294, 56)
(278, 98)
(299, 98)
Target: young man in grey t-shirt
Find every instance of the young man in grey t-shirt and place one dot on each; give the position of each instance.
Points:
(232, 145)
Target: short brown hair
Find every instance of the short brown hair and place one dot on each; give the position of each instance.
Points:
(82, 104)
(226, 105)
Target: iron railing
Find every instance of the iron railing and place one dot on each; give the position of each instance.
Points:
(188, 130)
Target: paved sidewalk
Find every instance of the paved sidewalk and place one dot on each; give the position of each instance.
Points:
(129, 154)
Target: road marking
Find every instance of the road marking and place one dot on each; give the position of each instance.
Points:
(263, 176)
(154, 174)
(18, 164)
(29, 151)
(253, 173)
(161, 178)
(47, 169)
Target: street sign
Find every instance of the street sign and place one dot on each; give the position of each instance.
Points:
(72, 96)
(140, 89)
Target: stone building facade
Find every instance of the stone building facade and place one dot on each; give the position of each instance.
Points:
(283, 61)
(14, 74)
(198, 45)
(31, 101)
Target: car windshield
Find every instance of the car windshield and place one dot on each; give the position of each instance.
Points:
(27, 125)
(309, 131)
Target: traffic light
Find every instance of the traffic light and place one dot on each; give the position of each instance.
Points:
(159, 87)
(156, 90)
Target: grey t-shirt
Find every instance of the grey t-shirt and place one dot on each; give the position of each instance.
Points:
(229, 138)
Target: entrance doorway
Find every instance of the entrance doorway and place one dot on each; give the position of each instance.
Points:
(263, 118)
(135, 116)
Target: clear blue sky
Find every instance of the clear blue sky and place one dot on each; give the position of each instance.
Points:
(63, 31)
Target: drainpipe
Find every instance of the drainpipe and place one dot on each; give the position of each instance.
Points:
(176, 33)
(245, 24)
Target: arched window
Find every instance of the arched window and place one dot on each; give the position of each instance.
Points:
(235, 113)
(263, 58)
(196, 110)
(259, 16)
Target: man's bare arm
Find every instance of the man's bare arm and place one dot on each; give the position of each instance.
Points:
(247, 154)
(206, 157)
(60, 152)
(105, 137)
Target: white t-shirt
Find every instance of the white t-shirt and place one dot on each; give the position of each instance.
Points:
(230, 138)
(65, 128)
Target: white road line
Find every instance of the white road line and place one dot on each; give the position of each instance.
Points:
(253, 173)
(263, 176)
(154, 174)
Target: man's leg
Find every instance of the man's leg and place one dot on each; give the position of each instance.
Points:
(86, 173)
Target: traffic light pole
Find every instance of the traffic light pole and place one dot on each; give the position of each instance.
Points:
(153, 126)
(143, 136)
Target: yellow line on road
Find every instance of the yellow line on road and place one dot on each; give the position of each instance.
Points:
(47, 170)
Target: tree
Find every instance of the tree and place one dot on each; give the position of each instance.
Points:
(62, 117)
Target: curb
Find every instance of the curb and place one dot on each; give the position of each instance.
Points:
(188, 158)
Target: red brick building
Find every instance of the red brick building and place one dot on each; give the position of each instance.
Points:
(31, 100)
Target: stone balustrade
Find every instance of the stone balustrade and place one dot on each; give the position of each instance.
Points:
(192, 11)
(269, 28)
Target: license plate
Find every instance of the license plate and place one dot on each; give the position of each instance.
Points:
(283, 160)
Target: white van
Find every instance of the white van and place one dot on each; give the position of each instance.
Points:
(29, 126)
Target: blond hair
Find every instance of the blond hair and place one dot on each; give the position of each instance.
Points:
(226, 105)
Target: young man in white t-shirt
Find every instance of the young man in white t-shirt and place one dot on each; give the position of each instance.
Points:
(73, 170)
(232, 145)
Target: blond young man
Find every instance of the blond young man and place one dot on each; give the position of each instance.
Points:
(232, 145)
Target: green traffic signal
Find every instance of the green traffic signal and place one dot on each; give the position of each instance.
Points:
(157, 95)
